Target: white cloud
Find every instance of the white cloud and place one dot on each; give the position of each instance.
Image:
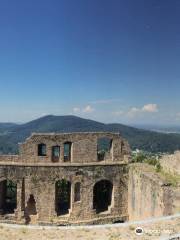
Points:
(148, 108)
(88, 109)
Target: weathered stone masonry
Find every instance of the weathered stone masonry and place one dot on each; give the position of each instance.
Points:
(60, 178)
(150, 194)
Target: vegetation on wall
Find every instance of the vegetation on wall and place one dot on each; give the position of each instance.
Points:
(154, 160)
(149, 158)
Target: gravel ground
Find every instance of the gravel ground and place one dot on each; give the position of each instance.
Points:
(160, 229)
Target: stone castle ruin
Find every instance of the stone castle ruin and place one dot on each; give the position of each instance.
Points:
(81, 178)
(66, 179)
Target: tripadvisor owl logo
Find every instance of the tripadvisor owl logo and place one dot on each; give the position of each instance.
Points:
(139, 231)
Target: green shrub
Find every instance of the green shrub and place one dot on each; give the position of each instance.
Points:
(158, 167)
(140, 157)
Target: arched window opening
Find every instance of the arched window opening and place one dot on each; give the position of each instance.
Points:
(102, 195)
(55, 153)
(67, 151)
(8, 197)
(42, 149)
(77, 192)
(31, 206)
(62, 197)
(104, 148)
(30, 210)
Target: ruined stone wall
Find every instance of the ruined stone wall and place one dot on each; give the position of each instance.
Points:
(35, 177)
(40, 182)
(84, 147)
(176, 201)
(138, 192)
(9, 158)
(149, 194)
(171, 163)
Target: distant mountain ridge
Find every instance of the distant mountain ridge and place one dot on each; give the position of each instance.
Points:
(159, 128)
(138, 138)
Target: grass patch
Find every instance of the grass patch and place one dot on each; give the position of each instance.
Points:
(131, 228)
(154, 160)
(23, 230)
(151, 159)
(173, 179)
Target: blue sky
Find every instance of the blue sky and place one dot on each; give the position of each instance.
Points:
(108, 60)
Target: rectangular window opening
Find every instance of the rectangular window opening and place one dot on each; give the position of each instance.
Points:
(67, 151)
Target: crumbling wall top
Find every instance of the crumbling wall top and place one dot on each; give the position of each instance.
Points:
(79, 147)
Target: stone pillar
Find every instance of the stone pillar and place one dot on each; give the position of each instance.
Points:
(19, 212)
(52, 200)
(62, 153)
(72, 198)
(88, 200)
(117, 198)
(118, 152)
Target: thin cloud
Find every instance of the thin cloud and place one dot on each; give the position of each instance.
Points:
(133, 111)
(105, 101)
(76, 109)
(177, 117)
(118, 113)
(86, 109)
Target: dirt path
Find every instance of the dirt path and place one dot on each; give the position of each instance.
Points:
(161, 228)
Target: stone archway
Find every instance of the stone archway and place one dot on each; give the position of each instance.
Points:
(62, 197)
(8, 197)
(30, 210)
(102, 196)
